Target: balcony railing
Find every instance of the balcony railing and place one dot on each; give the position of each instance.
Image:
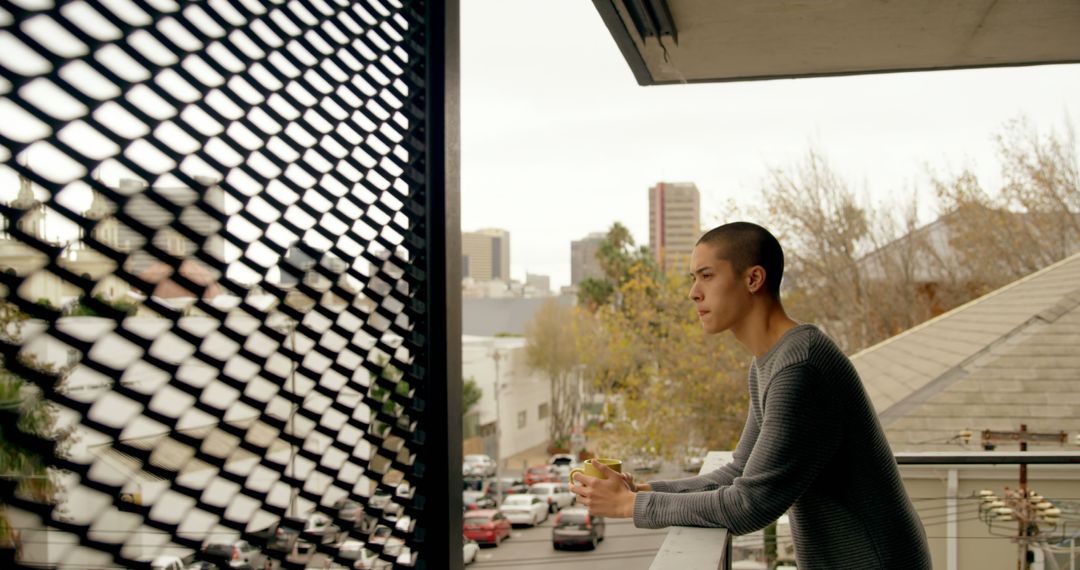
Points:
(688, 547)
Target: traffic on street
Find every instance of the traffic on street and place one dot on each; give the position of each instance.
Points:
(514, 530)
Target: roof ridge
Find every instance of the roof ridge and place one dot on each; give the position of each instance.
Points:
(996, 292)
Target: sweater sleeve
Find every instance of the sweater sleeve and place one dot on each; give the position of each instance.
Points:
(800, 431)
(725, 475)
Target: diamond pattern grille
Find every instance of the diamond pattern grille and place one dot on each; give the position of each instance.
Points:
(212, 322)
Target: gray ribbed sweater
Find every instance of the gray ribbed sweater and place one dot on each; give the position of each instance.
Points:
(812, 443)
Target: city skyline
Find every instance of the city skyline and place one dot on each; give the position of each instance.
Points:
(558, 140)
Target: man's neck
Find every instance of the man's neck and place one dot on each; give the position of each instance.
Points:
(763, 327)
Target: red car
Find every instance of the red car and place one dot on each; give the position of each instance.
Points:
(538, 474)
(486, 526)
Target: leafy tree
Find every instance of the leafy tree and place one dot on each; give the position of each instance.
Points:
(666, 384)
(36, 416)
(470, 395)
(617, 256)
(80, 308)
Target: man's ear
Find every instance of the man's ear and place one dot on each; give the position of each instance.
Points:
(755, 278)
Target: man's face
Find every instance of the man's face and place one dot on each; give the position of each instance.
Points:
(722, 297)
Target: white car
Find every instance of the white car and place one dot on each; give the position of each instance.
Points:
(558, 496)
(469, 549)
(479, 465)
(562, 463)
(524, 509)
(166, 562)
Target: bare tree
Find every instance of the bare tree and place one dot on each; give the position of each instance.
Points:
(1032, 222)
(850, 274)
(551, 348)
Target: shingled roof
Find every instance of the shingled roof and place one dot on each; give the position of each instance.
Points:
(1008, 358)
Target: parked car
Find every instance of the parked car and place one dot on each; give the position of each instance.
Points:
(576, 527)
(348, 509)
(474, 500)
(469, 549)
(350, 549)
(353, 512)
(321, 527)
(486, 526)
(383, 501)
(524, 509)
(204, 565)
(563, 461)
(165, 562)
(284, 536)
(504, 486)
(694, 460)
(556, 495)
(369, 560)
(227, 553)
(478, 464)
(646, 462)
(473, 483)
(538, 474)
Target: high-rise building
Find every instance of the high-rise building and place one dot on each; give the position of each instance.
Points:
(539, 284)
(583, 263)
(485, 255)
(674, 223)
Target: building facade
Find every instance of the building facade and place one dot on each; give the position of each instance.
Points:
(674, 223)
(583, 263)
(485, 255)
(520, 407)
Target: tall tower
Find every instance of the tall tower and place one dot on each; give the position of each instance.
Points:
(583, 263)
(674, 223)
(485, 255)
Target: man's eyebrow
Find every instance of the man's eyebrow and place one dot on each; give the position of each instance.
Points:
(700, 269)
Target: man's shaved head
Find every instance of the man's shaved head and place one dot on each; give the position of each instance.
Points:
(745, 245)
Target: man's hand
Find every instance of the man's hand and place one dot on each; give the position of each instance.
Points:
(635, 487)
(611, 497)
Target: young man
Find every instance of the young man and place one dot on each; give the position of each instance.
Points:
(811, 446)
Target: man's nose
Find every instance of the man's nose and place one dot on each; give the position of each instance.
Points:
(694, 294)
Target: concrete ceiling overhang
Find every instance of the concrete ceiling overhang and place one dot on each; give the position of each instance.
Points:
(693, 41)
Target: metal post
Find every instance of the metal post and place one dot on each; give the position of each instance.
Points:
(951, 530)
(496, 356)
(290, 425)
(1022, 535)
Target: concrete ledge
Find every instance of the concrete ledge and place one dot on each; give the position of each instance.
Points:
(691, 548)
(688, 548)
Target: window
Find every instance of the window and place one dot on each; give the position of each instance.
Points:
(521, 419)
(543, 411)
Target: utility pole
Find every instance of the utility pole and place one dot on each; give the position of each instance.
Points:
(1027, 507)
(496, 356)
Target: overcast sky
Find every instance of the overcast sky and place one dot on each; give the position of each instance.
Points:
(558, 140)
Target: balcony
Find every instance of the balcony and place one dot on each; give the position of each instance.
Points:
(687, 547)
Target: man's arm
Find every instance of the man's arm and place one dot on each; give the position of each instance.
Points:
(725, 475)
(799, 434)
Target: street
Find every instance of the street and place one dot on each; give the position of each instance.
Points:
(623, 548)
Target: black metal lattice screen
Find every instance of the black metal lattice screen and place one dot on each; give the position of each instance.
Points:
(214, 317)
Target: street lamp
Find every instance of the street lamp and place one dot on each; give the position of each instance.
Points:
(497, 356)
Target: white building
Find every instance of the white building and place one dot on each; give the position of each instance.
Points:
(523, 409)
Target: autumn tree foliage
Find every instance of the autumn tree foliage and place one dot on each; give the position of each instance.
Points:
(634, 348)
